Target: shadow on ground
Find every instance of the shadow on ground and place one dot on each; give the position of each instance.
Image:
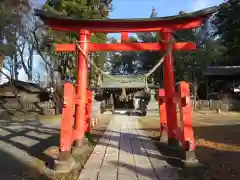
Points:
(30, 142)
(23, 147)
(29, 148)
(13, 168)
(218, 150)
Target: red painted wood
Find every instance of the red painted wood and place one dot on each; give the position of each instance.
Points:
(139, 46)
(179, 46)
(124, 37)
(169, 86)
(162, 111)
(65, 47)
(186, 116)
(184, 130)
(67, 118)
(168, 114)
(123, 26)
(82, 83)
(88, 111)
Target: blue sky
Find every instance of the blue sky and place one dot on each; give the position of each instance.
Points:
(143, 8)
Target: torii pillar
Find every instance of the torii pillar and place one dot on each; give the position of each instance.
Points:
(81, 91)
(169, 87)
(75, 97)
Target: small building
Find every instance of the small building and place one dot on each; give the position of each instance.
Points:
(222, 79)
(134, 87)
(27, 92)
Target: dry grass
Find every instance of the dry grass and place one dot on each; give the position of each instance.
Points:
(218, 144)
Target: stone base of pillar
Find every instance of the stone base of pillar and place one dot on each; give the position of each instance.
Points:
(190, 159)
(78, 151)
(65, 163)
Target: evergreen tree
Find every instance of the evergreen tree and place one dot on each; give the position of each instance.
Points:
(149, 58)
(77, 9)
(122, 62)
(227, 22)
(194, 61)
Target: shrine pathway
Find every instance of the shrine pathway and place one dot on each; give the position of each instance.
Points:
(125, 153)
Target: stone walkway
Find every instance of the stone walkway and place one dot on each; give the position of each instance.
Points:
(125, 153)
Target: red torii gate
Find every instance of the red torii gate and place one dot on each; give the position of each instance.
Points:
(84, 28)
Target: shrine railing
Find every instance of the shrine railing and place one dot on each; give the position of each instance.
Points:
(71, 130)
(183, 130)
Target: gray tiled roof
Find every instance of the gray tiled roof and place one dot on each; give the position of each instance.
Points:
(22, 85)
(136, 82)
(222, 70)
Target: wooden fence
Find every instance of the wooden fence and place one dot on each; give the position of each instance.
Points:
(46, 108)
(227, 105)
(223, 105)
(29, 106)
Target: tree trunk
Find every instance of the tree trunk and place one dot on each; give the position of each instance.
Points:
(30, 70)
(58, 103)
(15, 68)
(1, 63)
(57, 95)
(195, 91)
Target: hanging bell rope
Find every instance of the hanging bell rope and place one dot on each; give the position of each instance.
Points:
(146, 85)
(123, 96)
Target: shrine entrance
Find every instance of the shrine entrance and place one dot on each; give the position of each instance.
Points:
(130, 96)
(123, 104)
(75, 125)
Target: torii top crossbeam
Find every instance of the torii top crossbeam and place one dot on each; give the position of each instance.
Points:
(178, 22)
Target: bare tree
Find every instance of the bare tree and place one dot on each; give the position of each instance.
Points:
(24, 53)
(37, 40)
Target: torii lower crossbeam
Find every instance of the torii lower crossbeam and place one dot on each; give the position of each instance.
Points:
(92, 47)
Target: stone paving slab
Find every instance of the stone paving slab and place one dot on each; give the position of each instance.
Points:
(124, 152)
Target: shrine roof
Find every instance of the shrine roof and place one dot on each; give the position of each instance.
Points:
(23, 86)
(132, 81)
(108, 24)
(222, 71)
